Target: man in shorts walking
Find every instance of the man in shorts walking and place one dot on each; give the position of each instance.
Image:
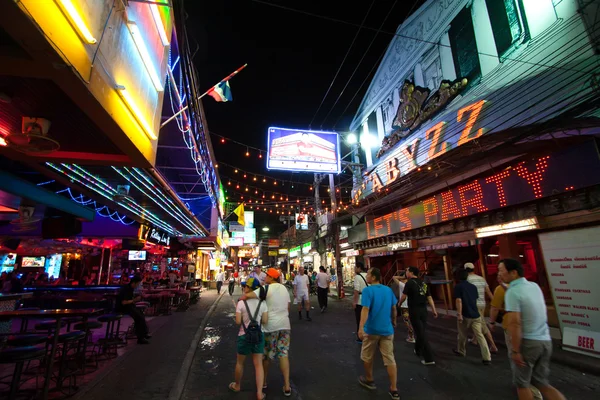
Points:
(277, 329)
(527, 323)
(376, 330)
(301, 293)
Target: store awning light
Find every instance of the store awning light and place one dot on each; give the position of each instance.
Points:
(136, 112)
(508, 227)
(145, 54)
(160, 25)
(75, 18)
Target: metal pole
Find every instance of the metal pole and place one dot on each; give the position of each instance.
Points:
(109, 265)
(101, 265)
(336, 233)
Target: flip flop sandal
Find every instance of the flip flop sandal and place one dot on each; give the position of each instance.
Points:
(394, 394)
(232, 388)
(287, 393)
(365, 383)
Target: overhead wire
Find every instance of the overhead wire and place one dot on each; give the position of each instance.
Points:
(343, 61)
(359, 62)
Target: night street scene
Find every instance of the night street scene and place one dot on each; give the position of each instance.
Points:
(310, 200)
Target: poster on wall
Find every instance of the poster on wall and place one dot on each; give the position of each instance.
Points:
(572, 261)
(301, 222)
(303, 151)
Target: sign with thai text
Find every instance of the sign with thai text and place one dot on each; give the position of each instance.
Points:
(573, 168)
(572, 260)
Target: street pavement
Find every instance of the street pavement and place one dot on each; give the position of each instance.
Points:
(325, 363)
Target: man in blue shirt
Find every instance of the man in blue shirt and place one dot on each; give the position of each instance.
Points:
(466, 295)
(376, 330)
(528, 328)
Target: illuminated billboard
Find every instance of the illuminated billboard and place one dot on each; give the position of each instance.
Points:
(301, 222)
(302, 150)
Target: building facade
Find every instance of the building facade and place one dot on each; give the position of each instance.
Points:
(479, 133)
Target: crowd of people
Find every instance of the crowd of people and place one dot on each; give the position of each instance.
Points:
(263, 313)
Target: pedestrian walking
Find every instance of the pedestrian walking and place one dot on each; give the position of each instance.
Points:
(231, 283)
(400, 279)
(418, 295)
(323, 280)
(278, 328)
(250, 314)
(497, 316)
(376, 330)
(243, 278)
(360, 283)
(258, 274)
(527, 322)
(220, 279)
(301, 293)
(483, 290)
(468, 317)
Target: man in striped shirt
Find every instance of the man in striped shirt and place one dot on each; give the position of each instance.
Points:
(483, 290)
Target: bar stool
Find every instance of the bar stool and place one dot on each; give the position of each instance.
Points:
(111, 340)
(71, 320)
(87, 327)
(48, 326)
(18, 356)
(68, 341)
(25, 321)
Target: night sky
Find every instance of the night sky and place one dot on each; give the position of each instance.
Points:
(292, 59)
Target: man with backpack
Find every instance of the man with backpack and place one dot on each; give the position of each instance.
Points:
(250, 314)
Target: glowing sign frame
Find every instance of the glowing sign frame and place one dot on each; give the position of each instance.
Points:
(299, 150)
(525, 181)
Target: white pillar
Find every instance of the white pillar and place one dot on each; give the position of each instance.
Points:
(540, 15)
(446, 58)
(380, 127)
(484, 37)
(418, 72)
(366, 143)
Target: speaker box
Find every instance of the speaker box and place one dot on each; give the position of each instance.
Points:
(60, 227)
(132, 244)
(11, 244)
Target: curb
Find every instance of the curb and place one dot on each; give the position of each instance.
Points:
(184, 372)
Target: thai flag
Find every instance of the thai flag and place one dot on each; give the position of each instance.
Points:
(221, 92)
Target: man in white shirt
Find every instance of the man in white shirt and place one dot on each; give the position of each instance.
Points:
(301, 293)
(323, 280)
(277, 329)
(483, 290)
(220, 279)
(360, 282)
(258, 274)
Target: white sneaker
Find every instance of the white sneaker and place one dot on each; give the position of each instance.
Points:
(410, 340)
(427, 363)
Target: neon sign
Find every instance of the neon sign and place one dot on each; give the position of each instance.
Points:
(525, 181)
(411, 154)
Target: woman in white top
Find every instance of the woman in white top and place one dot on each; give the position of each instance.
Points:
(323, 280)
(400, 279)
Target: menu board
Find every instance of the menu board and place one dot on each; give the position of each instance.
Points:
(572, 260)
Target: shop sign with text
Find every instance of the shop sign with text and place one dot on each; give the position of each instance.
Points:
(423, 147)
(573, 168)
(154, 235)
(403, 245)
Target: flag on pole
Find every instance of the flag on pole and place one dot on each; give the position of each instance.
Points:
(221, 92)
(240, 214)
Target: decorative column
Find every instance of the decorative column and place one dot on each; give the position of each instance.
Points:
(418, 72)
(484, 37)
(446, 58)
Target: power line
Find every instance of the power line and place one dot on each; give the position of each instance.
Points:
(341, 21)
(343, 61)
(359, 63)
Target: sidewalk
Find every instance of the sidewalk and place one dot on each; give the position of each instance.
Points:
(447, 323)
(150, 371)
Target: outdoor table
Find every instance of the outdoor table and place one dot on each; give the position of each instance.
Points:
(56, 315)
